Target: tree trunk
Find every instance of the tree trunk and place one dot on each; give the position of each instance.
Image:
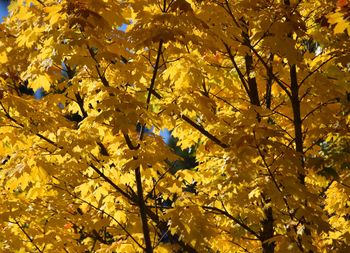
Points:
(297, 121)
(143, 211)
(267, 233)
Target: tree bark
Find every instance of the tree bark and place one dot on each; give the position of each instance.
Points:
(143, 211)
(267, 232)
(298, 134)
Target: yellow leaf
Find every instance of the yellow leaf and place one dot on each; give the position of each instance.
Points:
(54, 13)
(3, 57)
(42, 81)
(29, 36)
(340, 27)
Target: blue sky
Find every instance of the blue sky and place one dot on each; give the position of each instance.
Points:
(3, 8)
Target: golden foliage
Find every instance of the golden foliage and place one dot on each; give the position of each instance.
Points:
(257, 90)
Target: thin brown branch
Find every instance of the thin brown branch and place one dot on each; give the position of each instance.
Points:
(103, 212)
(331, 101)
(237, 221)
(7, 115)
(140, 199)
(41, 2)
(129, 143)
(108, 180)
(100, 75)
(270, 72)
(225, 101)
(239, 72)
(315, 70)
(28, 236)
(204, 132)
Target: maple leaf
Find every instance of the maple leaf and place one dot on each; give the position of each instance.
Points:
(255, 95)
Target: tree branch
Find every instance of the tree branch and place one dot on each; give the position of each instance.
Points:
(141, 201)
(315, 70)
(28, 236)
(239, 72)
(270, 72)
(228, 215)
(108, 180)
(204, 132)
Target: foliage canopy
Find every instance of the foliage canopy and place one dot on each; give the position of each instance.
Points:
(257, 90)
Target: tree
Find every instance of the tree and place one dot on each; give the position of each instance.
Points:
(259, 88)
